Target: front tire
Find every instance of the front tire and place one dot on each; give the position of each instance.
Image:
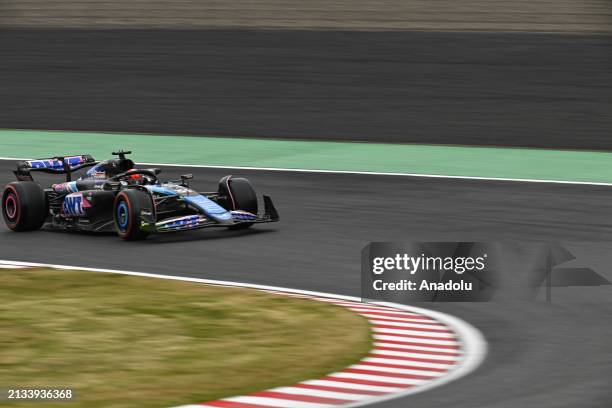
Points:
(24, 206)
(126, 210)
(239, 194)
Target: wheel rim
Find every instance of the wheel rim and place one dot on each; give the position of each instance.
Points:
(10, 206)
(123, 217)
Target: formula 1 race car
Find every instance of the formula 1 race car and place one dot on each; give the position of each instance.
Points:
(113, 195)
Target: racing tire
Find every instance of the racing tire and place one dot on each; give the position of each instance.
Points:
(239, 195)
(126, 209)
(24, 206)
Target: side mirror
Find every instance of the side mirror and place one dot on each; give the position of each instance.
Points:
(185, 178)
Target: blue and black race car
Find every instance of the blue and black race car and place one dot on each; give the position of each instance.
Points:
(114, 195)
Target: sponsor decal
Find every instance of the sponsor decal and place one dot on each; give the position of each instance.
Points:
(97, 171)
(98, 174)
(55, 164)
(74, 205)
(180, 223)
(64, 188)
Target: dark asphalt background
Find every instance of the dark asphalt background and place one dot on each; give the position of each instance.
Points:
(511, 89)
(542, 355)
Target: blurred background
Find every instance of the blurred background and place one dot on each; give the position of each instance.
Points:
(512, 73)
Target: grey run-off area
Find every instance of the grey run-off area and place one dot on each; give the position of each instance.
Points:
(509, 89)
(492, 15)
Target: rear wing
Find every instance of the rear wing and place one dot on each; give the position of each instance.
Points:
(54, 165)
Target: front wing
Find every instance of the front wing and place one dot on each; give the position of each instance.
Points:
(197, 221)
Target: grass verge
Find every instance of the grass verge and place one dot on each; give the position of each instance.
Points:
(125, 341)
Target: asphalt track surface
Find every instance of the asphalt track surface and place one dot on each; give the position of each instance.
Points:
(541, 355)
(510, 89)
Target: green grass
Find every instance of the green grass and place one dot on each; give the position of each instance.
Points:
(124, 341)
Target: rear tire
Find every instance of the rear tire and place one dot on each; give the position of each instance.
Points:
(239, 195)
(126, 210)
(24, 206)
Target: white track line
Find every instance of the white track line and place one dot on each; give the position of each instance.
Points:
(367, 173)
(393, 369)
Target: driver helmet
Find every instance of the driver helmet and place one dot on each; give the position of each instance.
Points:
(136, 178)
